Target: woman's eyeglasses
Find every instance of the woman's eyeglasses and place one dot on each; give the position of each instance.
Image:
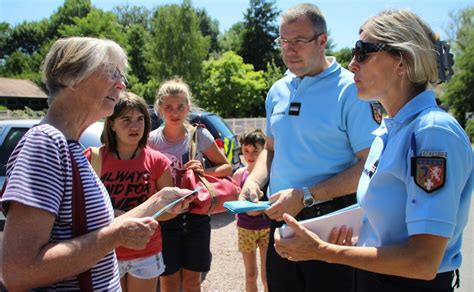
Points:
(362, 49)
(114, 73)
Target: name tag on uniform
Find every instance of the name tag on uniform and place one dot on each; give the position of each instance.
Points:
(294, 109)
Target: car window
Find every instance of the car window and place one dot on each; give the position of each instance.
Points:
(91, 136)
(12, 138)
(220, 126)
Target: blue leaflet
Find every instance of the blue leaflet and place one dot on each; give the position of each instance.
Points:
(170, 205)
(237, 207)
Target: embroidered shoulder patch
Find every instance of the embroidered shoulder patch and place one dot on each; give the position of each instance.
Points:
(377, 111)
(429, 172)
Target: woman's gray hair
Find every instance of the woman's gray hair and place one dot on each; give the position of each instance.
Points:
(311, 11)
(72, 59)
(407, 34)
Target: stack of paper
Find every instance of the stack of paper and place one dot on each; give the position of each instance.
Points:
(351, 217)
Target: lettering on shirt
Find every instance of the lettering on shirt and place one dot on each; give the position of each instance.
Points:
(278, 114)
(370, 172)
(127, 189)
(430, 153)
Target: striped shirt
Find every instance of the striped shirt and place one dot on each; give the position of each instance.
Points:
(39, 175)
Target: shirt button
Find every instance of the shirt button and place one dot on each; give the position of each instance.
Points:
(184, 223)
(184, 216)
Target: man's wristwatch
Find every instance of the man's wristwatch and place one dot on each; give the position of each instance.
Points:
(308, 199)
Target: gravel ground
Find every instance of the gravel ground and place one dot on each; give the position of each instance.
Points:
(227, 268)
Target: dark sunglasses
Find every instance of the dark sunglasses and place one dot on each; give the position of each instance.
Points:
(362, 49)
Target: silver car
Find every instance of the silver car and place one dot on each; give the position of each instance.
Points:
(11, 132)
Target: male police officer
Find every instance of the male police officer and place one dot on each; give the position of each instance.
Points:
(318, 134)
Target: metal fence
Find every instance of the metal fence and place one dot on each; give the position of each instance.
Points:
(5, 115)
(239, 126)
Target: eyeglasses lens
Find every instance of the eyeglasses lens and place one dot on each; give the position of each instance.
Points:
(113, 72)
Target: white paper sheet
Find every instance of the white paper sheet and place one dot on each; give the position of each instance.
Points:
(350, 216)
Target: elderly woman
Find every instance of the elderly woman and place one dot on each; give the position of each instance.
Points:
(48, 176)
(415, 190)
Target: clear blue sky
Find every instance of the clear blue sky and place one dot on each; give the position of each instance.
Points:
(343, 17)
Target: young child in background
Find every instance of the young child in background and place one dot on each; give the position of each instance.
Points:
(253, 230)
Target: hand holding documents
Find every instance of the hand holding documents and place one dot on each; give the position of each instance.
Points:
(170, 205)
(350, 216)
(237, 207)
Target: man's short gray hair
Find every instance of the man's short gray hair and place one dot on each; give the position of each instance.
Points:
(308, 10)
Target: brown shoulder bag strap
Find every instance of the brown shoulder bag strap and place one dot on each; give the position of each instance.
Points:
(193, 132)
(79, 220)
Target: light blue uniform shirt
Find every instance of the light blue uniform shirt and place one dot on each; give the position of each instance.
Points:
(394, 206)
(320, 142)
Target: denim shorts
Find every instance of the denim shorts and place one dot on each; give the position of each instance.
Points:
(143, 268)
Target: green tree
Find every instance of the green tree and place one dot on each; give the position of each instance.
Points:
(178, 46)
(96, 24)
(343, 56)
(66, 15)
(330, 45)
(138, 40)
(16, 64)
(261, 29)
(209, 28)
(128, 16)
(459, 93)
(24, 46)
(272, 74)
(147, 90)
(232, 39)
(5, 31)
(232, 88)
(27, 37)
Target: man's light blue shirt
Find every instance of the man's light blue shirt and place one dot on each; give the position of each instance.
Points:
(321, 140)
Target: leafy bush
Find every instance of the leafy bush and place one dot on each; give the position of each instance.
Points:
(27, 113)
(470, 129)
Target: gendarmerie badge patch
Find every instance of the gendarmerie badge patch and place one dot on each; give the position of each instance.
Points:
(430, 172)
(377, 111)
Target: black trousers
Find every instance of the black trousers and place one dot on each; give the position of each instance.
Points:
(374, 282)
(286, 276)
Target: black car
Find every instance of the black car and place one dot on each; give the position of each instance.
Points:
(224, 137)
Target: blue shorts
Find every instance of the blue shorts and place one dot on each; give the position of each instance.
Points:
(186, 243)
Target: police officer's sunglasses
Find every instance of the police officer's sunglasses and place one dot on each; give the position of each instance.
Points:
(362, 49)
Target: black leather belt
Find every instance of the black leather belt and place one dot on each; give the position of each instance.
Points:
(326, 207)
(442, 281)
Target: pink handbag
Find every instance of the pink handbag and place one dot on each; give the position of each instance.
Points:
(214, 191)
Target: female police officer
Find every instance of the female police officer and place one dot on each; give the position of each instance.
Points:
(416, 187)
